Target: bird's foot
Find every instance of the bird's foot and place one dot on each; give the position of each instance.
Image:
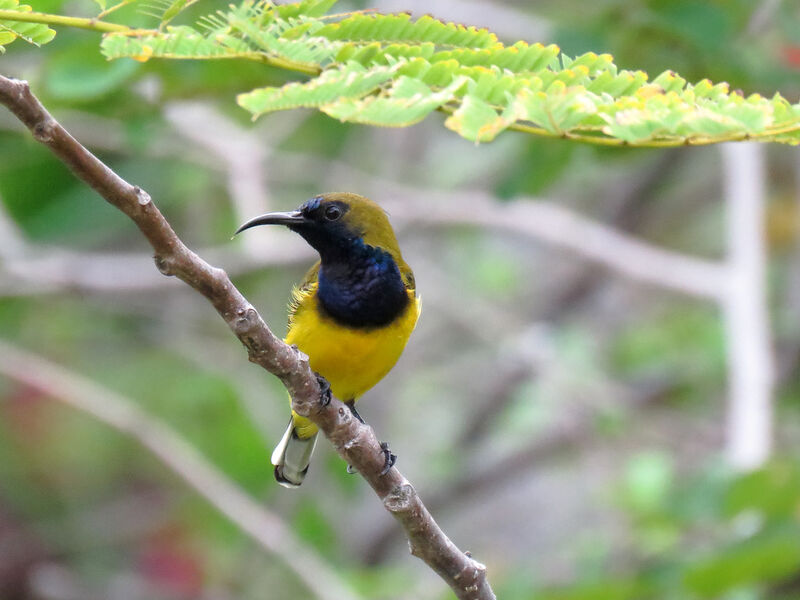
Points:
(389, 458)
(324, 390)
(351, 404)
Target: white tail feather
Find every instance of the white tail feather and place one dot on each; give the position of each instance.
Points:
(291, 457)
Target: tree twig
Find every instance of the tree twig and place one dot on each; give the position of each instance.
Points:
(180, 456)
(353, 440)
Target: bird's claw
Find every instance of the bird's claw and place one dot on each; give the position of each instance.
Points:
(389, 458)
(351, 404)
(324, 390)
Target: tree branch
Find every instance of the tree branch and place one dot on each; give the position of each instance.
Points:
(354, 441)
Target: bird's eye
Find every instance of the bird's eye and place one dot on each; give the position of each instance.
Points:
(332, 212)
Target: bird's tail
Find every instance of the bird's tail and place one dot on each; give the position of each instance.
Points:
(291, 457)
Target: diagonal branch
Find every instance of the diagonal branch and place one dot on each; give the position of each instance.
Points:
(354, 441)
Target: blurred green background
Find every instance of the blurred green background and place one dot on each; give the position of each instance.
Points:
(565, 422)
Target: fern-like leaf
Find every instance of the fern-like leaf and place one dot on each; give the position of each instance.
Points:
(407, 102)
(352, 81)
(33, 33)
(393, 70)
(400, 28)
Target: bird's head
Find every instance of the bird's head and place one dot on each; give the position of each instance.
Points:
(334, 222)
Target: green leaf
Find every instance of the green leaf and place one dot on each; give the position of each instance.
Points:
(177, 42)
(174, 9)
(307, 8)
(478, 120)
(408, 101)
(760, 560)
(393, 70)
(400, 28)
(33, 33)
(351, 81)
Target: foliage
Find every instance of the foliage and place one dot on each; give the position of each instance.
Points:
(33, 33)
(392, 70)
(710, 537)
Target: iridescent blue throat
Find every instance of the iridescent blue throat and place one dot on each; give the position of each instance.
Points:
(360, 286)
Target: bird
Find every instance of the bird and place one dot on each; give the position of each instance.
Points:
(352, 314)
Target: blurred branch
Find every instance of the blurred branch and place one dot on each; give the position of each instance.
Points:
(50, 270)
(242, 156)
(762, 15)
(240, 153)
(181, 457)
(568, 229)
(746, 316)
(353, 440)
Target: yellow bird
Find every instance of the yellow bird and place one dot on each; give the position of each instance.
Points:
(352, 314)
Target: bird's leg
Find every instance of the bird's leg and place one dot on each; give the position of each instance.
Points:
(389, 458)
(351, 404)
(324, 390)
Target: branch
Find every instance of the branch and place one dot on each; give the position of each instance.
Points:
(180, 456)
(751, 373)
(59, 270)
(353, 440)
(92, 24)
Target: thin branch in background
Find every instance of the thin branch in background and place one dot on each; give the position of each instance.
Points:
(750, 362)
(354, 441)
(49, 270)
(243, 157)
(181, 457)
(567, 229)
(763, 14)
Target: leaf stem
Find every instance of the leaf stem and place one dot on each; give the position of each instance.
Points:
(111, 9)
(92, 24)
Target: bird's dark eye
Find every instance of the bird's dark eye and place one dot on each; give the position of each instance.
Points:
(332, 212)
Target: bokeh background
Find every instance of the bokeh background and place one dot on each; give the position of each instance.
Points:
(600, 401)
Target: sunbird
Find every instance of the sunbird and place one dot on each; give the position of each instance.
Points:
(352, 314)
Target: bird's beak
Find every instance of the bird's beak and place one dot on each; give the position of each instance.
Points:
(294, 217)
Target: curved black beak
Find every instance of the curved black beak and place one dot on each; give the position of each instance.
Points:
(294, 217)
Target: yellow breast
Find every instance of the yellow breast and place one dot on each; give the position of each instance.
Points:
(352, 360)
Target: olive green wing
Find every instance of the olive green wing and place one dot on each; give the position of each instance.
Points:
(303, 292)
(408, 277)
